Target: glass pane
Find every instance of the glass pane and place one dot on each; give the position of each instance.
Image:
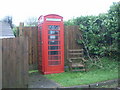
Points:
(53, 32)
(54, 57)
(40, 28)
(53, 42)
(53, 37)
(53, 52)
(40, 36)
(54, 62)
(53, 27)
(53, 47)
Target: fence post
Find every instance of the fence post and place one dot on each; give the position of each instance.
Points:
(0, 57)
(0, 63)
(21, 26)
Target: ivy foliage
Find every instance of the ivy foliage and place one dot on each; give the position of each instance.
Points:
(15, 31)
(100, 33)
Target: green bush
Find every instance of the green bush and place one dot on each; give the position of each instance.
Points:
(15, 31)
(100, 33)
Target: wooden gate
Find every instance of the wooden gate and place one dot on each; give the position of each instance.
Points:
(15, 62)
(72, 34)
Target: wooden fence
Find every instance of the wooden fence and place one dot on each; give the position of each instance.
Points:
(31, 33)
(15, 62)
(21, 52)
(72, 34)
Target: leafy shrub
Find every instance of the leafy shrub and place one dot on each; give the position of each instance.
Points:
(15, 31)
(100, 33)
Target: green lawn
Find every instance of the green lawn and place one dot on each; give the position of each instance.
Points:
(94, 75)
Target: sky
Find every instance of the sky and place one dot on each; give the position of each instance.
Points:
(21, 10)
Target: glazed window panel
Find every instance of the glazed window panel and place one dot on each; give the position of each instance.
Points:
(53, 42)
(40, 35)
(54, 57)
(53, 32)
(53, 47)
(54, 27)
(53, 52)
(40, 28)
(53, 37)
(54, 62)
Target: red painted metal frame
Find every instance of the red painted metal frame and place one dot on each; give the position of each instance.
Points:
(43, 64)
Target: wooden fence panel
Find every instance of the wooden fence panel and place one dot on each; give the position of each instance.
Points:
(31, 33)
(15, 62)
(72, 34)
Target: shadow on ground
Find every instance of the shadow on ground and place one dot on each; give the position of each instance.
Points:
(36, 80)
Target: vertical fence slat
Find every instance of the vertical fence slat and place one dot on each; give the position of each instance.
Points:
(10, 63)
(25, 75)
(4, 81)
(13, 55)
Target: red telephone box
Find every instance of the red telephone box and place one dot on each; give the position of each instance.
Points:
(50, 44)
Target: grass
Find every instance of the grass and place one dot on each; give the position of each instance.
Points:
(109, 72)
(32, 71)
